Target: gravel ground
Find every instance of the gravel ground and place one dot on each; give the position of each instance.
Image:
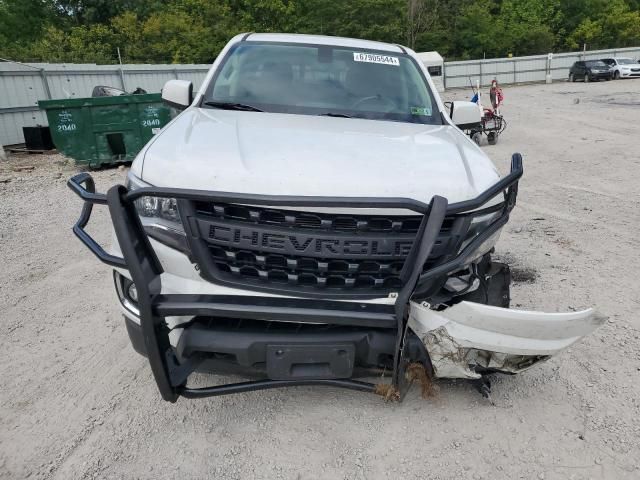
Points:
(78, 402)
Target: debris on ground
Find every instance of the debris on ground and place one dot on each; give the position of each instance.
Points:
(24, 168)
(416, 372)
(387, 391)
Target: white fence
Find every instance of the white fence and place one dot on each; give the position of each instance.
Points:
(21, 86)
(523, 69)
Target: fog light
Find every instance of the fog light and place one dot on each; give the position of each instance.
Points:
(127, 293)
(132, 292)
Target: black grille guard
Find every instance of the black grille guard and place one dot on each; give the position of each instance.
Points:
(141, 261)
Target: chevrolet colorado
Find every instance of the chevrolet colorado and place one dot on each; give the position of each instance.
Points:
(316, 216)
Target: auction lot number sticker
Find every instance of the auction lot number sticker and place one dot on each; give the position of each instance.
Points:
(375, 58)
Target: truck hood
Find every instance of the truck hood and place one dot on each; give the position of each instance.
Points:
(285, 154)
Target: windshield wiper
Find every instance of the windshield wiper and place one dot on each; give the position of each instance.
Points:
(233, 106)
(331, 114)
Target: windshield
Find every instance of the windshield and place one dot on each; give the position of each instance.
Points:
(595, 63)
(625, 61)
(323, 80)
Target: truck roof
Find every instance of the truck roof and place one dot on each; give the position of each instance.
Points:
(322, 40)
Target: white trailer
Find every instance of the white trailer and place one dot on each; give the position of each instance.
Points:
(435, 65)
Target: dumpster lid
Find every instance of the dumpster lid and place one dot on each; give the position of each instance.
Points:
(99, 101)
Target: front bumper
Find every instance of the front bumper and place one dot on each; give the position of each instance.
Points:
(463, 341)
(361, 331)
(468, 339)
(599, 75)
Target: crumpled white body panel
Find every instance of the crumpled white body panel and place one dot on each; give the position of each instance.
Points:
(472, 334)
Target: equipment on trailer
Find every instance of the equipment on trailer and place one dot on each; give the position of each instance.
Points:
(491, 125)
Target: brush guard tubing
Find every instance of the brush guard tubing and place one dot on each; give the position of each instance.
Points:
(84, 186)
(422, 246)
(268, 384)
(145, 268)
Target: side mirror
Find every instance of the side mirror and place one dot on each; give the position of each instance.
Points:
(465, 115)
(178, 93)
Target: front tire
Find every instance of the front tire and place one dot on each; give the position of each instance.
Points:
(586, 78)
(572, 78)
(616, 75)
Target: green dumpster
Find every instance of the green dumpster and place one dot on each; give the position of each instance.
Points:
(104, 130)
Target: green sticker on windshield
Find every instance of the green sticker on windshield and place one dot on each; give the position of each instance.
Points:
(421, 111)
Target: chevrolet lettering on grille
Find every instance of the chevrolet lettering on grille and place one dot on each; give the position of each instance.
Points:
(290, 242)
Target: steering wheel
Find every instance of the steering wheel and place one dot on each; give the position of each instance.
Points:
(377, 98)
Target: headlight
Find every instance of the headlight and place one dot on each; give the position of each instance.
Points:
(165, 209)
(479, 224)
(160, 216)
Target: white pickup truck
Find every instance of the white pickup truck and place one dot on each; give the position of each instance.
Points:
(315, 216)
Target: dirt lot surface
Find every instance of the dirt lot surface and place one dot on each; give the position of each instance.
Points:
(77, 402)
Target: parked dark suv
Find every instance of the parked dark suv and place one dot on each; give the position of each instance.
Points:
(589, 71)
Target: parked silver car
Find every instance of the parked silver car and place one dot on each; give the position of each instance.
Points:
(622, 67)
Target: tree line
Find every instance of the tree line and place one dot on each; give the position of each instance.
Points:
(194, 31)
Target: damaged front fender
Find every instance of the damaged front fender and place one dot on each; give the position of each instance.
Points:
(468, 337)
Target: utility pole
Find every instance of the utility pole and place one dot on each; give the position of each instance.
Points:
(414, 11)
(121, 72)
(421, 16)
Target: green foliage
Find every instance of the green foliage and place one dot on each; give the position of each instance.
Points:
(615, 25)
(265, 15)
(587, 32)
(87, 12)
(529, 26)
(478, 31)
(194, 31)
(22, 22)
(381, 20)
(80, 44)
